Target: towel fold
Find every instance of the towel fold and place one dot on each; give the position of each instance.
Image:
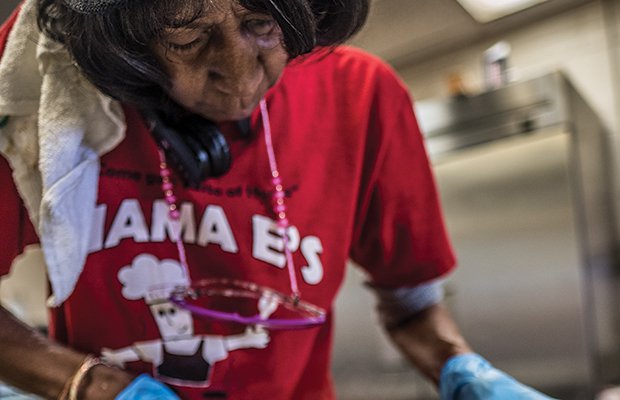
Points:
(59, 124)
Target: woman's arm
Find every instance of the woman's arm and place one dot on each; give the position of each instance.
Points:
(31, 362)
(429, 339)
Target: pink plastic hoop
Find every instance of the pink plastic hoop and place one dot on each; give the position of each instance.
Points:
(309, 314)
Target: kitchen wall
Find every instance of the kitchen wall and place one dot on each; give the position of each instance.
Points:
(583, 42)
(6, 8)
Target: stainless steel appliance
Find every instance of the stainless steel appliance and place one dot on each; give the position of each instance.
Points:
(523, 177)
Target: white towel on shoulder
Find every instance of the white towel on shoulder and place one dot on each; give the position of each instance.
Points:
(59, 125)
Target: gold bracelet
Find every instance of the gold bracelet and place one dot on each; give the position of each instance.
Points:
(77, 379)
(65, 390)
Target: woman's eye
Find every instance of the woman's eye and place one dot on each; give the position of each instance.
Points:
(260, 26)
(184, 46)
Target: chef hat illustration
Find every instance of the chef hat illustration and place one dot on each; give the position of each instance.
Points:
(151, 279)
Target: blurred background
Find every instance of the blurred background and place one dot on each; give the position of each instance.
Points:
(519, 102)
(520, 106)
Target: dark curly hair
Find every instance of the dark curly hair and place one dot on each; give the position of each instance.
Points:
(113, 49)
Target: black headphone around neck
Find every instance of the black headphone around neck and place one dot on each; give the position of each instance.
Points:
(195, 147)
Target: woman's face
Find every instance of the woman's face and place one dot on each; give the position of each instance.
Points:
(222, 64)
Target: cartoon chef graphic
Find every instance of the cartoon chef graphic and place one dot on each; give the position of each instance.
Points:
(180, 357)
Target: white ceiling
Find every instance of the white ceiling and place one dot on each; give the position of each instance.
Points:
(406, 31)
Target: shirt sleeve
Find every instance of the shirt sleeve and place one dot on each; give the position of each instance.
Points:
(401, 240)
(16, 230)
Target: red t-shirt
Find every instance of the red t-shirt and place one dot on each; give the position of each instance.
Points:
(359, 186)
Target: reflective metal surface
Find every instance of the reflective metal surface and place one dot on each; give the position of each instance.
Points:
(524, 173)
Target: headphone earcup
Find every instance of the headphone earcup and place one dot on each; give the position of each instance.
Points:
(215, 149)
(195, 148)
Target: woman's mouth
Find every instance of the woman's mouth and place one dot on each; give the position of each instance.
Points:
(229, 110)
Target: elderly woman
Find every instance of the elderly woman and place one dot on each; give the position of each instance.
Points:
(197, 173)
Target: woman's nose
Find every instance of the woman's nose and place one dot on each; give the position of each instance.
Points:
(235, 82)
(233, 66)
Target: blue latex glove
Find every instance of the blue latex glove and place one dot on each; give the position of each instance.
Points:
(146, 388)
(471, 377)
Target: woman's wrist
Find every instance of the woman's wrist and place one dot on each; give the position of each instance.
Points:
(102, 382)
(430, 340)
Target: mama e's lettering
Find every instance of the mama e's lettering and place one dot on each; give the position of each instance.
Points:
(213, 228)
